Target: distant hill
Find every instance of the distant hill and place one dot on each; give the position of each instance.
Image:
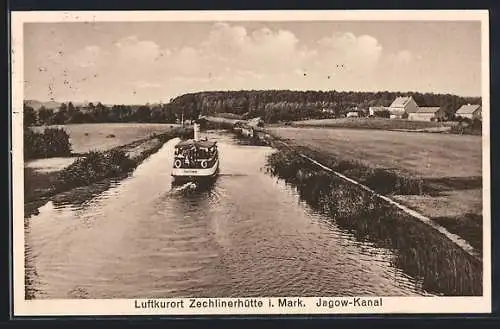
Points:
(36, 105)
(53, 105)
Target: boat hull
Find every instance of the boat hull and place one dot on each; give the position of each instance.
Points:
(184, 175)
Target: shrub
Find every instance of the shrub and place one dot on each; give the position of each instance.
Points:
(468, 126)
(95, 166)
(477, 124)
(53, 142)
(382, 114)
(119, 162)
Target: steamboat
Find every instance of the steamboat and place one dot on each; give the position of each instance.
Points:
(195, 160)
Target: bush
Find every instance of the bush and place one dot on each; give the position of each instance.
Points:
(465, 122)
(96, 166)
(53, 142)
(119, 162)
(477, 124)
(468, 126)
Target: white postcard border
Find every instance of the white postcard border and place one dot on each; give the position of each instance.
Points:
(395, 305)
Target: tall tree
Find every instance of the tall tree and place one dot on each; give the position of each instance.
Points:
(71, 109)
(29, 116)
(45, 115)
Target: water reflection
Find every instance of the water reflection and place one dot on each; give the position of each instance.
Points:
(81, 197)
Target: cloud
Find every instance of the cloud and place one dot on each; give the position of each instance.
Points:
(134, 50)
(234, 52)
(263, 50)
(348, 51)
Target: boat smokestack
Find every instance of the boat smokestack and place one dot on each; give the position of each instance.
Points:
(196, 128)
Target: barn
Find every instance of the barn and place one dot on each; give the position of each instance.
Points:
(434, 113)
(469, 111)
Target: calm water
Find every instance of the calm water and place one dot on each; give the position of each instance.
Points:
(249, 235)
(47, 165)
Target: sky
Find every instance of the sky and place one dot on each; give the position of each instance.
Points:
(139, 62)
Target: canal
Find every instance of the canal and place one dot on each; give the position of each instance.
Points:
(249, 235)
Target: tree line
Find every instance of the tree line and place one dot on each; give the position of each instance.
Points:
(288, 105)
(271, 105)
(68, 113)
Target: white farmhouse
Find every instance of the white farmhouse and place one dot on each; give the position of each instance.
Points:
(402, 105)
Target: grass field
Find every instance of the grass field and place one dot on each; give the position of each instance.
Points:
(450, 164)
(105, 136)
(375, 123)
(425, 155)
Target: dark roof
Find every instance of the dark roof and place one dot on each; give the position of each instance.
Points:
(192, 142)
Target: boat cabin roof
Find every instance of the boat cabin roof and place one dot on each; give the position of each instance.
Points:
(199, 143)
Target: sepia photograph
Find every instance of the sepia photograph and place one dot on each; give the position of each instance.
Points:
(267, 162)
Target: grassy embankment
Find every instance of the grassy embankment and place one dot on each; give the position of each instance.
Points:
(437, 175)
(390, 124)
(95, 165)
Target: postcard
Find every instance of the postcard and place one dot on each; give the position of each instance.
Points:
(250, 162)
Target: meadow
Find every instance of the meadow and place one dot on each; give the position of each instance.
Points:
(427, 155)
(439, 175)
(376, 123)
